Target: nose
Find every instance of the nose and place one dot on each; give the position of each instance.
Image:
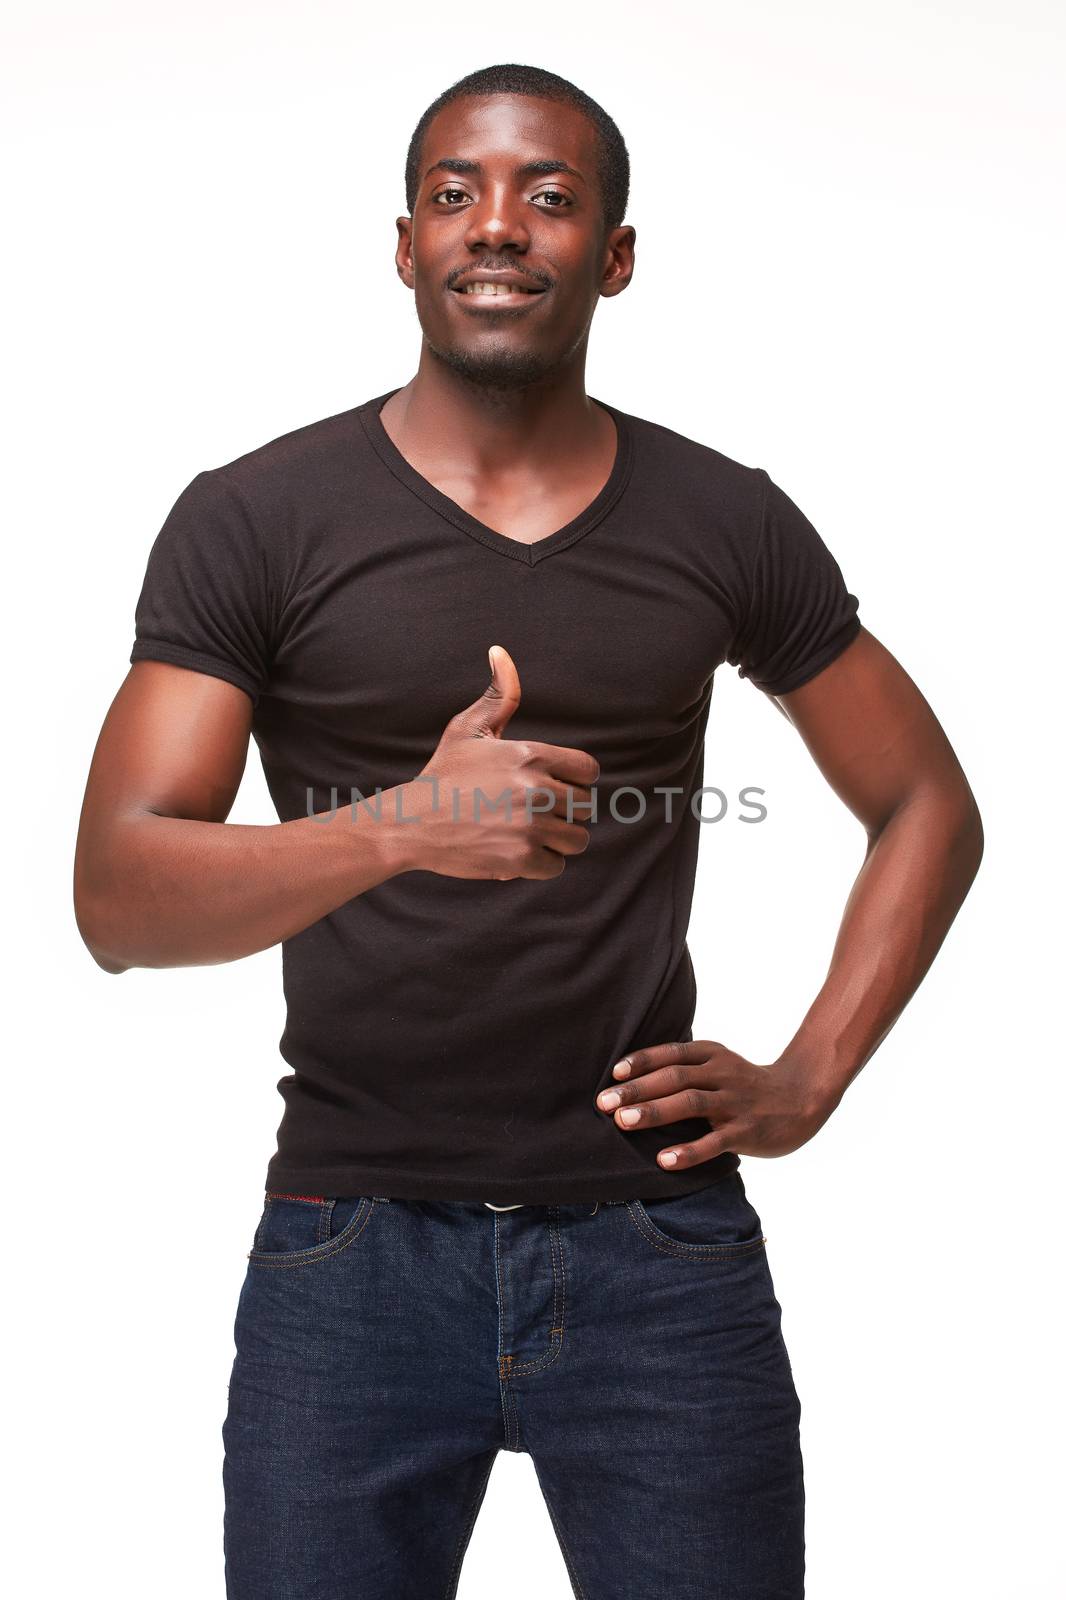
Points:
(496, 222)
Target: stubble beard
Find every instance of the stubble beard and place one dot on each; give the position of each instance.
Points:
(498, 369)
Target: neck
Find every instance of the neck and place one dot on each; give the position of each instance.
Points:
(442, 415)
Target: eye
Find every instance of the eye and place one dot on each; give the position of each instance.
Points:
(554, 194)
(460, 192)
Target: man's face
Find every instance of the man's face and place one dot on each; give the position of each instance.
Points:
(477, 214)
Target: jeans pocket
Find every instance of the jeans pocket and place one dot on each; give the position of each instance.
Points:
(715, 1222)
(298, 1230)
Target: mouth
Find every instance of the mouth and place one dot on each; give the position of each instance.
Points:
(495, 296)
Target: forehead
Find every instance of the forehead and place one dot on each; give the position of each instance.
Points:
(499, 127)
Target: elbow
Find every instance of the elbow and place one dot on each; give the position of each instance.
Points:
(948, 827)
(967, 826)
(91, 927)
(963, 832)
(972, 833)
(95, 921)
(105, 962)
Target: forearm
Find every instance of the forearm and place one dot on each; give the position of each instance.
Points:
(917, 873)
(166, 892)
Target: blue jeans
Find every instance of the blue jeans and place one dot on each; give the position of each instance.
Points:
(387, 1349)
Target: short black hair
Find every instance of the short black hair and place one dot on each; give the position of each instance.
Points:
(511, 78)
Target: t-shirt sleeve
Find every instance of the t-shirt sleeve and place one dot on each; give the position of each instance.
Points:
(798, 614)
(204, 602)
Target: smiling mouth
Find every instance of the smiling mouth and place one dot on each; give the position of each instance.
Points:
(499, 296)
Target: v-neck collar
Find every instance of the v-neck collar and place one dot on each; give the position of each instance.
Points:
(369, 415)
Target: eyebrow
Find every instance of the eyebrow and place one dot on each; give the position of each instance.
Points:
(527, 169)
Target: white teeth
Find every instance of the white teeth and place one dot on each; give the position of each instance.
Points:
(495, 288)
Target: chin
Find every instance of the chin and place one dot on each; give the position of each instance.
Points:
(496, 369)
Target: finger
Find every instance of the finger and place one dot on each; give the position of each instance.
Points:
(551, 799)
(568, 838)
(493, 710)
(681, 1107)
(667, 1080)
(678, 1156)
(504, 672)
(565, 762)
(578, 796)
(682, 1052)
(545, 864)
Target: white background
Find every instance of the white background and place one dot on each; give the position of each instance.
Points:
(849, 271)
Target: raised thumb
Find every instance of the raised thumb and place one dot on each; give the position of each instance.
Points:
(494, 710)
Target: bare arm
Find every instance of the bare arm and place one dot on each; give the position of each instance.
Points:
(162, 880)
(158, 880)
(878, 744)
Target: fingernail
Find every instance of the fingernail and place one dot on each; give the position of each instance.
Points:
(622, 1069)
(609, 1100)
(668, 1158)
(630, 1116)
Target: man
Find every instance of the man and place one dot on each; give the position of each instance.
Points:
(505, 1210)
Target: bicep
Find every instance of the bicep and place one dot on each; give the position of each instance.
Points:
(173, 743)
(873, 735)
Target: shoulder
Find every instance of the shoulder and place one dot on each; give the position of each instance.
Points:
(719, 499)
(665, 450)
(289, 467)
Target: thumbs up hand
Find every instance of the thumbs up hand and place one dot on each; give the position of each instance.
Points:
(498, 807)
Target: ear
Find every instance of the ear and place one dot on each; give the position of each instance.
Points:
(404, 259)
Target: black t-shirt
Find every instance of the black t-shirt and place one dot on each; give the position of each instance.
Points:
(448, 1037)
